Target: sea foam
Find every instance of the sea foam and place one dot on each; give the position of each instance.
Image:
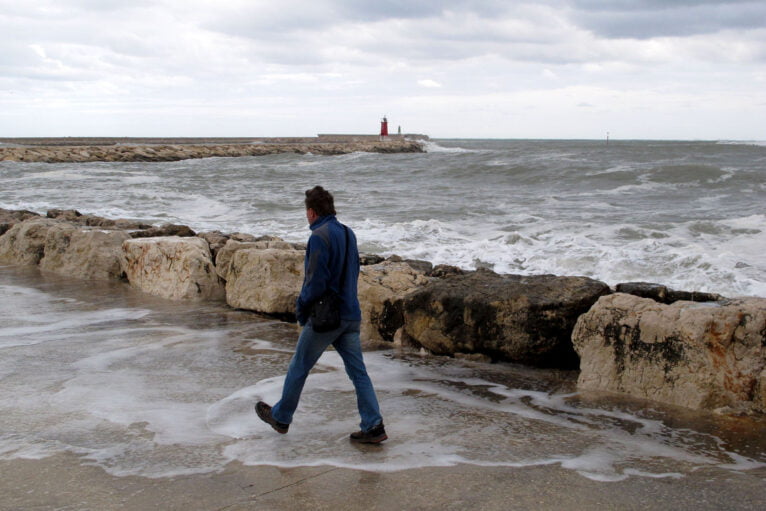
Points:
(156, 391)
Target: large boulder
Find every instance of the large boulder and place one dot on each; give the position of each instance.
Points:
(178, 268)
(264, 280)
(525, 319)
(75, 217)
(83, 253)
(369, 259)
(225, 254)
(69, 215)
(126, 223)
(382, 288)
(24, 243)
(215, 239)
(416, 264)
(164, 230)
(10, 217)
(243, 236)
(697, 355)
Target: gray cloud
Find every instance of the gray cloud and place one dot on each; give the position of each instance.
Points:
(552, 31)
(640, 19)
(409, 9)
(646, 19)
(253, 19)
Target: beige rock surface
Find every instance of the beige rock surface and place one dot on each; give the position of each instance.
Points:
(75, 217)
(697, 355)
(10, 217)
(215, 240)
(226, 253)
(172, 267)
(264, 280)
(381, 289)
(24, 243)
(83, 253)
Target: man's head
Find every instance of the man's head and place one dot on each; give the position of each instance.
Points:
(319, 202)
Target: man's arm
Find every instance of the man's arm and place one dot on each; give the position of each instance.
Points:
(317, 277)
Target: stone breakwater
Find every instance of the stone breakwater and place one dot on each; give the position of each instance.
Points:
(175, 152)
(698, 350)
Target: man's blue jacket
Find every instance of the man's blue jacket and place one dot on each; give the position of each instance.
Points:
(322, 269)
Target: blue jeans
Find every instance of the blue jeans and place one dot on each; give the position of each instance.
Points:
(310, 347)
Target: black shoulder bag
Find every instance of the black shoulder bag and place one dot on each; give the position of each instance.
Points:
(325, 312)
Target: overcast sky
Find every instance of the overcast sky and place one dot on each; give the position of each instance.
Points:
(658, 69)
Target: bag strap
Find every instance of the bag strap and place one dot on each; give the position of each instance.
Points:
(345, 260)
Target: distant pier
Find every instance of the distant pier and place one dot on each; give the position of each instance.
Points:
(91, 149)
(325, 138)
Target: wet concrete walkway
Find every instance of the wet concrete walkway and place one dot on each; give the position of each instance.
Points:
(64, 482)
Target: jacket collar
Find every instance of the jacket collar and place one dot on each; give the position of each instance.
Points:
(321, 221)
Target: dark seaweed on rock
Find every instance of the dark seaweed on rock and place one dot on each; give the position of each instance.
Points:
(525, 319)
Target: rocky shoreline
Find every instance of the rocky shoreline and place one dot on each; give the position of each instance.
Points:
(697, 350)
(175, 152)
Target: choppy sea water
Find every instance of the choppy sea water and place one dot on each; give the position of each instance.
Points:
(686, 214)
(143, 386)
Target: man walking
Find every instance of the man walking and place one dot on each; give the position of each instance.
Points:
(332, 263)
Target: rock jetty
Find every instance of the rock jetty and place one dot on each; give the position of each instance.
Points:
(174, 152)
(697, 350)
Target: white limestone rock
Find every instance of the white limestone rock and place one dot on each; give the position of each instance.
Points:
(264, 280)
(225, 253)
(83, 253)
(177, 268)
(381, 289)
(24, 243)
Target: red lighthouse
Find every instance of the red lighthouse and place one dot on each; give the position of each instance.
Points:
(384, 127)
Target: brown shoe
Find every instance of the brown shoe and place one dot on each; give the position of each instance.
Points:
(264, 413)
(373, 436)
